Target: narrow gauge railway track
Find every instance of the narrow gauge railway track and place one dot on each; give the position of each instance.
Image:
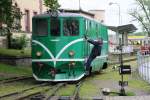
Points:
(58, 86)
(40, 95)
(8, 78)
(13, 79)
(77, 89)
(35, 95)
(74, 96)
(13, 94)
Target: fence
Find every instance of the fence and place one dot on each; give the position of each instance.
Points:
(143, 61)
(125, 49)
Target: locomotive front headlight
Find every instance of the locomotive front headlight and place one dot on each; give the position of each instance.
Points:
(71, 53)
(72, 63)
(38, 53)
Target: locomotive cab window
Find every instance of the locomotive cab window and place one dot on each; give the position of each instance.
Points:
(70, 27)
(55, 27)
(41, 27)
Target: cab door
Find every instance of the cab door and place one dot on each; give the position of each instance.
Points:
(86, 44)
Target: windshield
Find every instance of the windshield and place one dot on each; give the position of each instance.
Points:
(55, 27)
(41, 27)
(70, 27)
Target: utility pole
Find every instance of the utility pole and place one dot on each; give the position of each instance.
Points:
(122, 90)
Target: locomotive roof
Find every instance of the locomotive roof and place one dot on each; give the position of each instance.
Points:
(66, 14)
(63, 14)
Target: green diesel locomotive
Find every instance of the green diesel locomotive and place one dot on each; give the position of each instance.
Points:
(59, 50)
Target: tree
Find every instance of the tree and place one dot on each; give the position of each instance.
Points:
(10, 14)
(142, 14)
(52, 5)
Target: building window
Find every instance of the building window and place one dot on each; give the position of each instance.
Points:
(17, 21)
(27, 20)
(34, 13)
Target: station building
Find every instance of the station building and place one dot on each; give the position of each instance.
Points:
(29, 8)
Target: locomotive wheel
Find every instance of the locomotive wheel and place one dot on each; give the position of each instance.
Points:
(105, 66)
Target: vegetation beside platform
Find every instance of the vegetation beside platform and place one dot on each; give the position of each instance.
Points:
(15, 52)
(10, 71)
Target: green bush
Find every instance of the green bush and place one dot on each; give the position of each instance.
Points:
(19, 42)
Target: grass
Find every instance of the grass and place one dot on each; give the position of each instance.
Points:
(88, 89)
(15, 70)
(7, 71)
(14, 52)
(110, 74)
(115, 58)
(128, 93)
(14, 87)
(28, 92)
(139, 84)
(134, 81)
(67, 90)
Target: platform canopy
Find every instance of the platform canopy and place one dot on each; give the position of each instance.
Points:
(129, 28)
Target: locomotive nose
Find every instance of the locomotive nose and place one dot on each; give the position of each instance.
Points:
(54, 46)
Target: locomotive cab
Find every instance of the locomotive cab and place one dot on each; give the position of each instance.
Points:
(57, 49)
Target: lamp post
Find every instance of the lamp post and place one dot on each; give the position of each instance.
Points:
(122, 90)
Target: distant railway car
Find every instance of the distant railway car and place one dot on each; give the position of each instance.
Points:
(139, 42)
(59, 50)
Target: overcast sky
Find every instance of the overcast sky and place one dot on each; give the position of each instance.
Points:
(112, 12)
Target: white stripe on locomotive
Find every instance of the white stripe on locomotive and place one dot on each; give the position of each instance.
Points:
(47, 60)
(60, 52)
(66, 46)
(44, 47)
